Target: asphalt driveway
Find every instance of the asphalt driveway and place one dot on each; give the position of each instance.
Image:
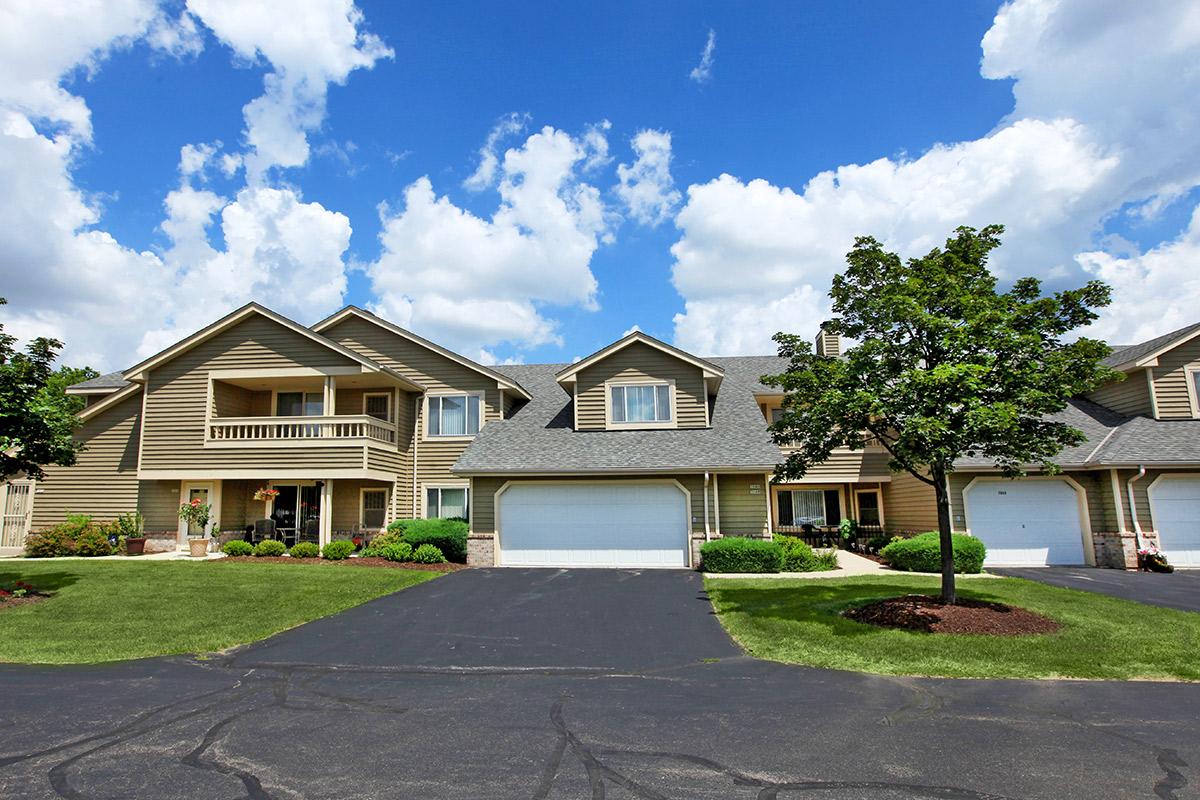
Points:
(1180, 589)
(510, 619)
(564, 684)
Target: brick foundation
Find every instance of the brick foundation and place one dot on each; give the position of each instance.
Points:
(1115, 550)
(481, 550)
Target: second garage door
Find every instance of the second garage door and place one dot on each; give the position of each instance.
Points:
(1175, 505)
(593, 525)
(1028, 523)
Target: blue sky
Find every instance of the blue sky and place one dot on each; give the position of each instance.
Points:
(1042, 115)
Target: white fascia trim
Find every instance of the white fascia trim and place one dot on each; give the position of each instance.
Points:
(354, 311)
(710, 370)
(96, 390)
(1151, 359)
(268, 474)
(758, 470)
(111, 400)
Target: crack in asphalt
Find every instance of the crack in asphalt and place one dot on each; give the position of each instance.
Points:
(598, 771)
(1169, 761)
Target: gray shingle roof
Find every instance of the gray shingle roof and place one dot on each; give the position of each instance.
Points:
(1142, 440)
(1096, 422)
(540, 438)
(1123, 354)
(112, 380)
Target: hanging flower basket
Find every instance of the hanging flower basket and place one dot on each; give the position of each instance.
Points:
(265, 493)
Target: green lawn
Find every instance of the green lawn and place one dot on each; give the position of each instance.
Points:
(797, 621)
(113, 610)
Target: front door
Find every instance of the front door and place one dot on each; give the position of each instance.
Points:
(205, 492)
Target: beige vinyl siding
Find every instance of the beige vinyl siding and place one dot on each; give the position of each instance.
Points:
(640, 361)
(238, 508)
(437, 373)
(483, 496)
(1170, 380)
(231, 401)
(909, 505)
(743, 513)
(1130, 396)
(158, 502)
(103, 480)
(175, 413)
(848, 466)
(347, 496)
(402, 497)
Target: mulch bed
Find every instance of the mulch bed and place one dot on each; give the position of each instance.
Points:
(359, 562)
(918, 612)
(10, 600)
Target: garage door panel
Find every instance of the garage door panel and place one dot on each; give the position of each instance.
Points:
(599, 525)
(1175, 506)
(1026, 523)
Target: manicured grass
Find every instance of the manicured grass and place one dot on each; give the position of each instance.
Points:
(797, 621)
(113, 610)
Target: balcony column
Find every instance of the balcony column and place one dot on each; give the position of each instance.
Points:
(325, 534)
(330, 397)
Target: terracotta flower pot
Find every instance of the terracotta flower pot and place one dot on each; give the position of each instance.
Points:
(198, 547)
(135, 547)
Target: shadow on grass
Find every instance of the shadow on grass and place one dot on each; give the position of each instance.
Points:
(42, 581)
(822, 602)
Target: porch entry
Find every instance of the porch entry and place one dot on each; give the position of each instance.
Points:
(815, 512)
(208, 492)
(296, 512)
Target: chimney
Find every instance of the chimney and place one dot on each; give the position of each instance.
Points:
(828, 343)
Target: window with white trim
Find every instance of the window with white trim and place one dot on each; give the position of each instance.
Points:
(378, 405)
(1194, 380)
(446, 501)
(640, 402)
(374, 509)
(453, 415)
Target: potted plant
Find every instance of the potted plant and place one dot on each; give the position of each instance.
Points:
(1152, 560)
(130, 526)
(197, 513)
(265, 494)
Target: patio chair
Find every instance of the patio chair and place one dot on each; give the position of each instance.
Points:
(263, 529)
(312, 531)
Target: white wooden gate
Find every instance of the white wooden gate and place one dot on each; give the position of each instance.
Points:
(16, 503)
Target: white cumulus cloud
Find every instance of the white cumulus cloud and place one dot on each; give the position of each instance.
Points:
(646, 186)
(309, 45)
(474, 283)
(1104, 116)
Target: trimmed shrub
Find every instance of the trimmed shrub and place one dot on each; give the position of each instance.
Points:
(739, 554)
(338, 551)
(428, 554)
(399, 551)
(449, 536)
(799, 557)
(92, 540)
(237, 547)
(924, 553)
(269, 547)
(397, 526)
(57, 541)
(129, 525)
(304, 550)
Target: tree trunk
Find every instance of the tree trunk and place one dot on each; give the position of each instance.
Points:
(946, 544)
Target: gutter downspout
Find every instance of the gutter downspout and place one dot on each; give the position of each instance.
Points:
(1137, 526)
(707, 530)
(717, 504)
(416, 440)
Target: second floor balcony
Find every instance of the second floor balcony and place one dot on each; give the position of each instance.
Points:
(293, 411)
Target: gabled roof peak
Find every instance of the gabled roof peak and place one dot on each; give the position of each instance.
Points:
(710, 369)
(369, 316)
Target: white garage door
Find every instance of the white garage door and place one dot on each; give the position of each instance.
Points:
(1175, 504)
(593, 525)
(1026, 523)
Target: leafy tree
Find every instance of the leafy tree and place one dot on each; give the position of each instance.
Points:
(36, 417)
(945, 367)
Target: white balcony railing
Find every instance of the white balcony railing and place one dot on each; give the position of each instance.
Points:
(273, 429)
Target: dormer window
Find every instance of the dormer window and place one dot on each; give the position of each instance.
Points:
(640, 404)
